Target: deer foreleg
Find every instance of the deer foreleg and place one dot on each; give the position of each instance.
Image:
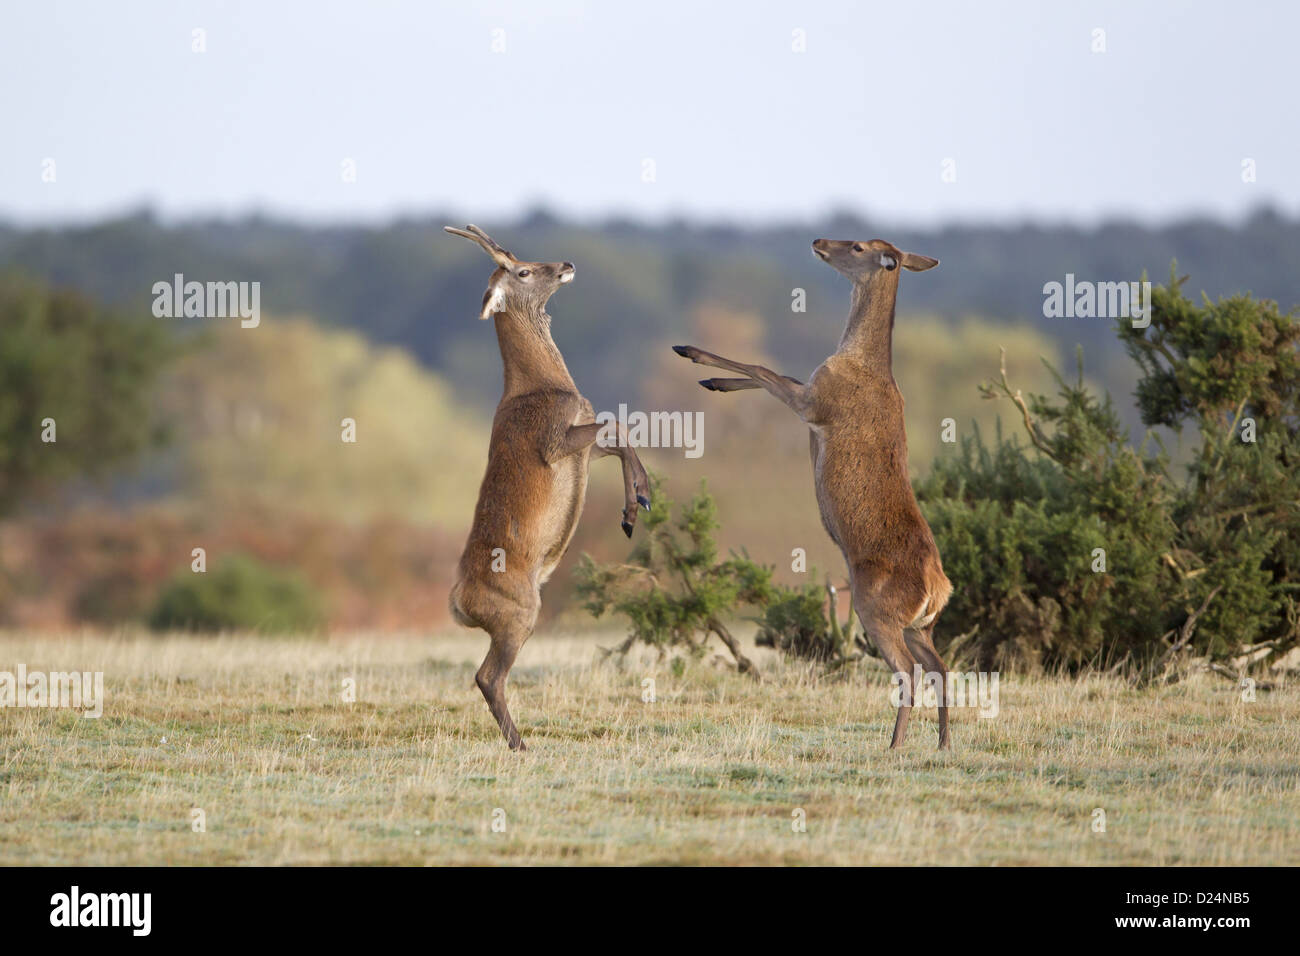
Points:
(636, 483)
(577, 438)
(789, 390)
(729, 384)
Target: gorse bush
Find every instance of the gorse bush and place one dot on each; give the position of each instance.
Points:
(240, 594)
(1078, 549)
(1020, 544)
(1230, 372)
(675, 592)
(795, 624)
(802, 623)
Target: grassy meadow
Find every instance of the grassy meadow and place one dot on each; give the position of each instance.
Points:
(255, 733)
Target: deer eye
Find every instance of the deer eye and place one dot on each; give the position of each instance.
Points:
(524, 273)
(857, 247)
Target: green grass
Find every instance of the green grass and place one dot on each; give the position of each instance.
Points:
(255, 733)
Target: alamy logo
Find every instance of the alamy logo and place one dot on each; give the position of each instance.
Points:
(977, 689)
(75, 908)
(652, 430)
(1083, 299)
(208, 300)
(76, 690)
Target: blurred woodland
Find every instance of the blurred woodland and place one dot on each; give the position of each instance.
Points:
(176, 434)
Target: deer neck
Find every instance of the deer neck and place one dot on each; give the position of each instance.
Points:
(529, 355)
(868, 337)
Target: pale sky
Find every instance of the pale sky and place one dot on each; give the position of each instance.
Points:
(737, 124)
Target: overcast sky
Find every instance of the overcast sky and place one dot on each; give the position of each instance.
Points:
(589, 101)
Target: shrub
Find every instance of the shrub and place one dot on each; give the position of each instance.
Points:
(240, 594)
(674, 592)
(1206, 565)
(801, 622)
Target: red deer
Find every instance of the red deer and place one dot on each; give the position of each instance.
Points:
(543, 437)
(854, 411)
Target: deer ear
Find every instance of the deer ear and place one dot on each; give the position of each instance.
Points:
(494, 300)
(917, 263)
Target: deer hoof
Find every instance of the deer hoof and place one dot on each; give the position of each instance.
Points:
(627, 528)
(708, 383)
(685, 351)
(643, 501)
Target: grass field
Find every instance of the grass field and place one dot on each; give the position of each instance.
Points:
(255, 733)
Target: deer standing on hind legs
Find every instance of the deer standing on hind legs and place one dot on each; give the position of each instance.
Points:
(543, 437)
(854, 411)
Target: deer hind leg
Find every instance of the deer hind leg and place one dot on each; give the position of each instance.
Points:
(892, 645)
(921, 643)
(507, 638)
(789, 390)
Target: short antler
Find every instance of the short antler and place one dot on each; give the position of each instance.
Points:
(493, 248)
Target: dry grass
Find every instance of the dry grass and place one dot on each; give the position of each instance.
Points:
(255, 733)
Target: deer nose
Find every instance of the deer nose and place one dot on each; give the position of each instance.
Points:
(567, 265)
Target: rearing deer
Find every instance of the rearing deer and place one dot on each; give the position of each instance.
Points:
(543, 437)
(854, 411)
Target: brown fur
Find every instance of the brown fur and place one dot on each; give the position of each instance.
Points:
(543, 438)
(858, 446)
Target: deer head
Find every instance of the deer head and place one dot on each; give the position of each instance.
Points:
(859, 261)
(515, 286)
